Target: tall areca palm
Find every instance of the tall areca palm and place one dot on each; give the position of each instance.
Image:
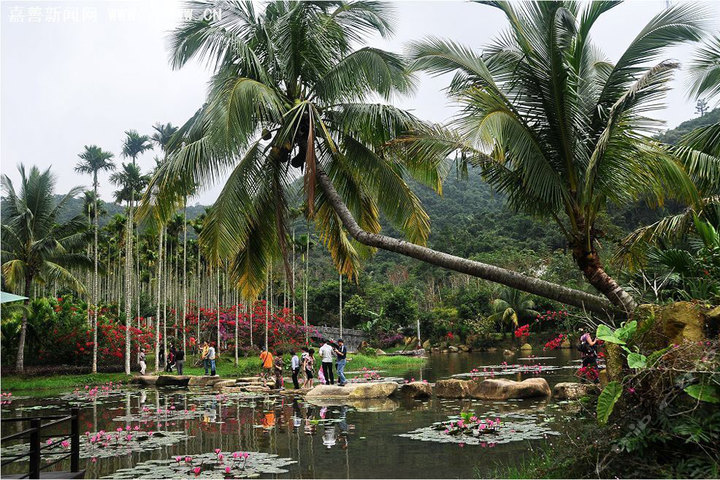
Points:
(36, 246)
(557, 127)
(288, 98)
(94, 160)
(131, 182)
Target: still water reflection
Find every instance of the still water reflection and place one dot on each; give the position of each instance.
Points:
(359, 440)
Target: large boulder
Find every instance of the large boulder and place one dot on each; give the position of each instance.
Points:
(526, 348)
(453, 349)
(145, 380)
(426, 345)
(503, 389)
(416, 390)
(572, 390)
(173, 381)
(373, 390)
(329, 391)
(451, 388)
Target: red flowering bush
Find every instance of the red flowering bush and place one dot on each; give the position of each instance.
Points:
(555, 342)
(588, 373)
(523, 331)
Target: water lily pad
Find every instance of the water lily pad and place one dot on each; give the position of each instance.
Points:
(513, 428)
(110, 444)
(210, 466)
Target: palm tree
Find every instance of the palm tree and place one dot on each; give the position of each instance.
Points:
(36, 246)
(510, 306)
(557, 127)
(92, 161)
(289, 97)
(699, 151)
(131, 182)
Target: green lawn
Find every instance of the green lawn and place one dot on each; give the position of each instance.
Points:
(225, 367)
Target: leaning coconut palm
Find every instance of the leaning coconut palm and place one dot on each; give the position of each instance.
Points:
(37, 248)
(699, 151)
(92, 161)
(558, 128)
(288, 98)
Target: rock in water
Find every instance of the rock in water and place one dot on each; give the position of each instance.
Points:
(503, 389)
(451, 388)
(373, 390)
(572, 390)
(508, 353)
(329, 391)
(173, 380)
(416, 390)
(526, 348)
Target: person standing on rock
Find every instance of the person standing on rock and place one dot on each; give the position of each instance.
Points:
(588, 349)
(295, 367)
(278, 369)
(211, 358)
(266, 366)
(341, 353)
(326, 353)
(180, 360)
(141, 361)
(204, 356)
(308, 365)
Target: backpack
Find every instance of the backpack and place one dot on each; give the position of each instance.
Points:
(584, 347)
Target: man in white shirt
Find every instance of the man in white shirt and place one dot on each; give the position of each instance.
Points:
(326, 353)
(295, 368)
(211, 357)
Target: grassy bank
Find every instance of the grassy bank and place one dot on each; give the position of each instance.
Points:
(225, 367)
(29, 385)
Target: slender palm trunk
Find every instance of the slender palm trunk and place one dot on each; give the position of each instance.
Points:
(159, 290)
(128, 280)
(292, 280)
(492, 273)
(20, 362)
(307, 284)
(95, 280)
(341, 307)
(267, 307)
(184, 279)
(237, 320)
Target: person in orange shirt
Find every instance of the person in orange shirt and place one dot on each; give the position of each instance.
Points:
(266, 366)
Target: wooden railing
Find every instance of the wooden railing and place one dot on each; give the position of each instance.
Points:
(35, 435)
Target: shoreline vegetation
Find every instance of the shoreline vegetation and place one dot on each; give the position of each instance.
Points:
(247, 366)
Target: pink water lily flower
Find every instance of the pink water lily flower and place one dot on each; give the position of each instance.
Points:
(227, 469)
(65, 444)
(188, 459)
(217, 450)
(197, 471)
(178, 459)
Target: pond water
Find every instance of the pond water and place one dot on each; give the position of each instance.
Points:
(297, 439)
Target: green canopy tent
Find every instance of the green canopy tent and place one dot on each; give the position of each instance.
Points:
(6, 297)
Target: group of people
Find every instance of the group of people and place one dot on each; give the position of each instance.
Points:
(175, 358)
(304, 365)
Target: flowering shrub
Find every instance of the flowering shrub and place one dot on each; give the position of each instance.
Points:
(386, 340)
(555, 342)
(587, 373)
(522, 332)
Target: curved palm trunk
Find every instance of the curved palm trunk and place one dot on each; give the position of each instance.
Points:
(593, 271)
(492, 273)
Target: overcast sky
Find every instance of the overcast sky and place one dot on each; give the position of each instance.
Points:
(81, 73)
